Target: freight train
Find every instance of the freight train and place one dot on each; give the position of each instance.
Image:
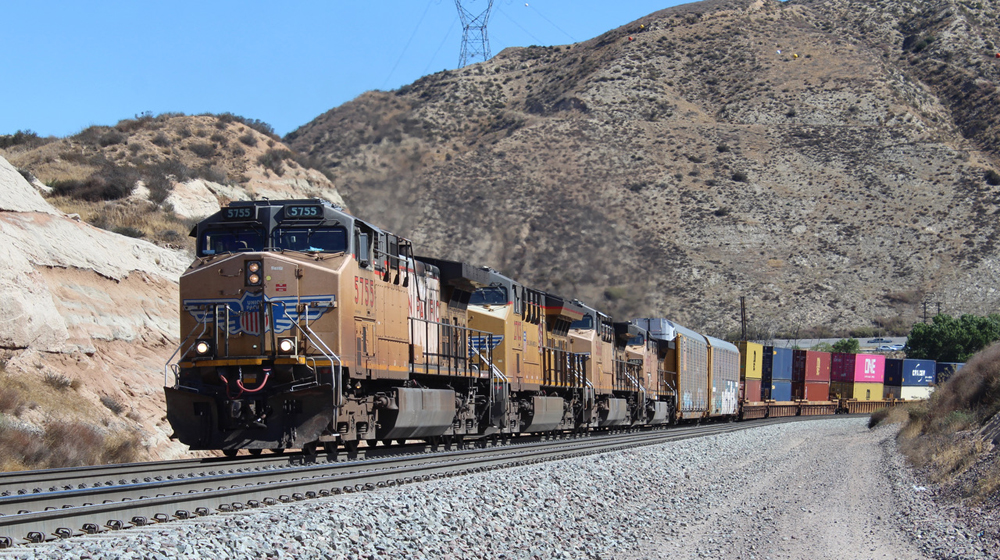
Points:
(303, 326)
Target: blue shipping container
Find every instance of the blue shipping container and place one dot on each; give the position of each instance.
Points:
(945, 370)
(893, 372)
(918, 373)
(781, 390)
(781, 368)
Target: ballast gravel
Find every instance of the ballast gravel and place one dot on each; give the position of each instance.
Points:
(827, 488)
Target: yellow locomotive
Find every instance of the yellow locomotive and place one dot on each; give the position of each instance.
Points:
(304, 326)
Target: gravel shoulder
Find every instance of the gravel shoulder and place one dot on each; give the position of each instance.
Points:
(826, 488)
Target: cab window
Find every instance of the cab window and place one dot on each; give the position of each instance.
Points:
(230, 240)
(584, 324)
(493, 295)
(314, 240)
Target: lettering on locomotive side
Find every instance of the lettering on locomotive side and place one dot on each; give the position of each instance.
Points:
(364, 291)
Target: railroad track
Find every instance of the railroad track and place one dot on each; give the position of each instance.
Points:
(44, 505)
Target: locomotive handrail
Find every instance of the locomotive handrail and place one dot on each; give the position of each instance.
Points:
(329, 354)
(167, 367)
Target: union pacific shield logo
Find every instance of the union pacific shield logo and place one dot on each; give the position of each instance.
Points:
(246, 314)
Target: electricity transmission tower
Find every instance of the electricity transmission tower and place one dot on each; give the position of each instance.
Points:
(475, 43)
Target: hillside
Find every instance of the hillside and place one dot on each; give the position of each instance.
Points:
(833, 161)
(152, 176)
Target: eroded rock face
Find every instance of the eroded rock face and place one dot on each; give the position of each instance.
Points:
(87, 304)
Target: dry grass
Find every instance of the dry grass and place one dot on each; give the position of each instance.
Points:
(154, 224)
(941, 436)
(71, 433)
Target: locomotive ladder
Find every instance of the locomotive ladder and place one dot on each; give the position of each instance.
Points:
(329, 354)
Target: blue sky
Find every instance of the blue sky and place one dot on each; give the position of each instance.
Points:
(66, 65)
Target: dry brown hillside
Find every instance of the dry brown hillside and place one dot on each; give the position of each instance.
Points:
(152, 176)
(833, 161)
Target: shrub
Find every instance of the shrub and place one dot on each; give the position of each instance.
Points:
(992, 178)
(112, 182)
(249, 139)
(27, 137)
(740, 177)
(219, 138)
(213, 174)
(722, 148)
(202, 150)
(847, 345)
(57, 381)
(11, 401)
(273, 158)
(111, 138)
(128, 231)
(159, 187)
(161, 140)
(239, 152)
(112, 404)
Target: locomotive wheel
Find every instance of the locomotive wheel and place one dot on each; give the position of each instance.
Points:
(255, 452)
(230, 452)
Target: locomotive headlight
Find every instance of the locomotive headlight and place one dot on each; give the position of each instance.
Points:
(202, 347)
(286, 345)
(253, 273)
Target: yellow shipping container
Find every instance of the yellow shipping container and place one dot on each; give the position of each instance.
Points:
(751, 360)
(857, 391)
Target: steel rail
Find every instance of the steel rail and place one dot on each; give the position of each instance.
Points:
(62, 514)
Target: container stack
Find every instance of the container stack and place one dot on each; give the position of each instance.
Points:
(777, 374)
(751, 370)
(909, 379)
(857, 376)
(810, 376)
(944, 370)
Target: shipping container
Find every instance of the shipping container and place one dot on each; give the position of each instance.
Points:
(781, 390)
(915, 393)
(944, 370)
(777, 364)
(893, 372)
(751, 391)
(751, 360)
(919, 373)
(811, 391)
(808, 365)
(858, 391)
(857, 368)
(724, 365)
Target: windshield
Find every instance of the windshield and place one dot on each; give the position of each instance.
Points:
(316, 240)
(637, 340)
(585, 324)
(230, 240)
(494, 295)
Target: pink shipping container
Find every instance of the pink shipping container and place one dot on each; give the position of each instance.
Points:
(857, 368)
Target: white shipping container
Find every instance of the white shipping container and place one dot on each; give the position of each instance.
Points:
(915, 393)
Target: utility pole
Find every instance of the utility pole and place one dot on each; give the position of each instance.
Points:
(474, 24)
(743, 316)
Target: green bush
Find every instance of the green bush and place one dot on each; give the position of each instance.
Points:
(847, 345)
(249, 139)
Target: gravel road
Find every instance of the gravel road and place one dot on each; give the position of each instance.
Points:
(826, 488)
